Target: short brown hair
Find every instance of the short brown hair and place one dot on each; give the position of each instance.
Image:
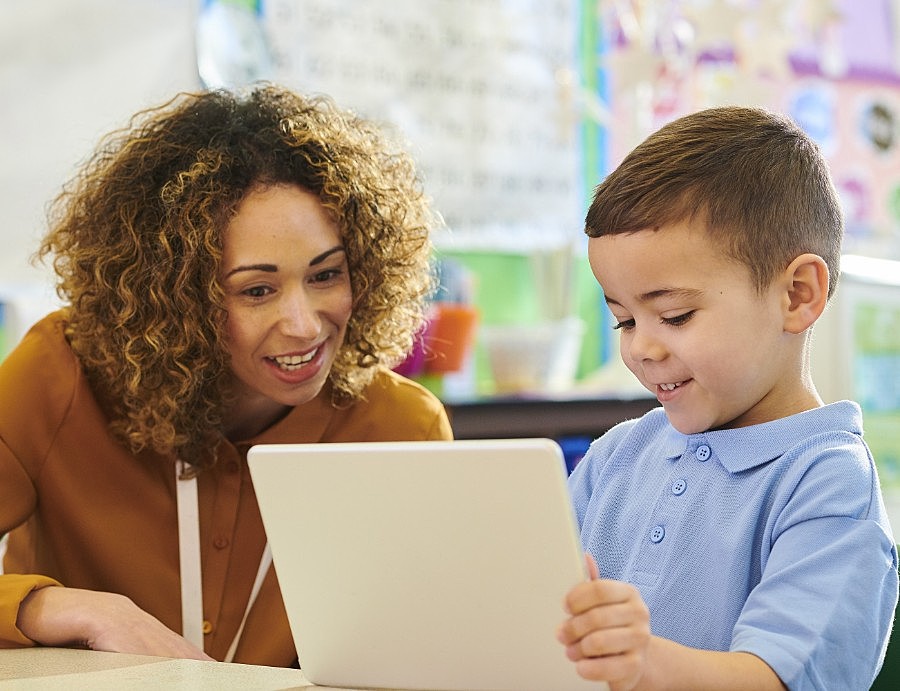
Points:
(757, 181)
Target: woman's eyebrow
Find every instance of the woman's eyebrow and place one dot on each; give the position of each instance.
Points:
(273, 268)
(268, 268)
(327, 253)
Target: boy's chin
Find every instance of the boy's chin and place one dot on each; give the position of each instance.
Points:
(687, 425)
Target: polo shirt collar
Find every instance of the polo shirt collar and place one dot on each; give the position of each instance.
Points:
(747, 447)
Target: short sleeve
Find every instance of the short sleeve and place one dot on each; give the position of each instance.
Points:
(829, 582)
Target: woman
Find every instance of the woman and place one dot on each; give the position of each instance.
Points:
(237, 270)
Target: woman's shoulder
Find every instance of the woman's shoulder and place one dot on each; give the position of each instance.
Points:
(388, 385)
(405, 408)
(43, 348)
(40, 375)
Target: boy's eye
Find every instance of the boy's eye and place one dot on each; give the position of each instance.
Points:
(679, 320)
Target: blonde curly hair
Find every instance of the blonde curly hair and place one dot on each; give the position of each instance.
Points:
(136, 241)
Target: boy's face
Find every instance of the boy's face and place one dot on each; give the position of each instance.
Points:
(694, 329)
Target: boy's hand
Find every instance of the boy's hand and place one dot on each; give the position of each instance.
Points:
(608, 630)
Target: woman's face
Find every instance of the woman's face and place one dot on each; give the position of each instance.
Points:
(288, 298)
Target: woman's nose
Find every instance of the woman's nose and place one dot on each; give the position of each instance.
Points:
(299, 316)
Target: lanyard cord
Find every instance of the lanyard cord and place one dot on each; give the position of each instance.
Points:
(189, 564)
(264, 563)
(189, 558)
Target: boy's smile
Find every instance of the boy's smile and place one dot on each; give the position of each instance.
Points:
(696, 332)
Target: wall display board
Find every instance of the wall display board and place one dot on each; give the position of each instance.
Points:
(486, 96)
(482, 90)
(833, 65)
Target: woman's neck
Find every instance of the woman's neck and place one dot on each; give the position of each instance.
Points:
(247, 418)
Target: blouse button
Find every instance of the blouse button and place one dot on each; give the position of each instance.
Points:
(207, 626)
(703, 452)
(220, 542)
(678, 487)
(657, 534)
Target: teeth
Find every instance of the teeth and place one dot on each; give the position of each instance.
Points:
(670, 387)
(292, 362)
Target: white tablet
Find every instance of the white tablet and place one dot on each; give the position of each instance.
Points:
(423, 565)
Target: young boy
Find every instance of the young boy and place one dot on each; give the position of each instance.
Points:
(740, 532)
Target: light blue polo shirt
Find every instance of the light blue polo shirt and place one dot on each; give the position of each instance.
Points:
(771, 539)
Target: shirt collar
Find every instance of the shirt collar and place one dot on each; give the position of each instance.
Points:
(743, 448)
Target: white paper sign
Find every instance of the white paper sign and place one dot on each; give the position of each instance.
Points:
(481, 90)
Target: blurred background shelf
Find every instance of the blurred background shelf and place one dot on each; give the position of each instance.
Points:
(556, 418)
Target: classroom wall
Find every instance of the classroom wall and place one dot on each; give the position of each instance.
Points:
(486, 106)
(70, 70)
(482, 102)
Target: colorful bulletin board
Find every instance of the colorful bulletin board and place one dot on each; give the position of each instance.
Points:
(833, 65)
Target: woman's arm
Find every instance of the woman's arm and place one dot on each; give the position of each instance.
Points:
(71, 617)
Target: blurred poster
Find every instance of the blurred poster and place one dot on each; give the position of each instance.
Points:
(856, 355)
(480, 88)
(832, 65)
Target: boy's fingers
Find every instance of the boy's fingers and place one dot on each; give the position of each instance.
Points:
(593, 569)
(599, 592)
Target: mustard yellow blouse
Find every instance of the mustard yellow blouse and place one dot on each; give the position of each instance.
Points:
(82, 511)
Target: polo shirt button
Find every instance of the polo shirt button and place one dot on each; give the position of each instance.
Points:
(678, 487)
(703, 452)
(657, 534)
(207, 626)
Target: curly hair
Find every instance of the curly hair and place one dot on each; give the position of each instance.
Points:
(136, 241)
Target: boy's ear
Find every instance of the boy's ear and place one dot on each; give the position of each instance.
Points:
(806, 281)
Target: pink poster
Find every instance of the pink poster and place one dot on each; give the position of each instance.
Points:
(833, 66)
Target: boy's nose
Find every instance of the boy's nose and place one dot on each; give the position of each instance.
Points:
(642, 345)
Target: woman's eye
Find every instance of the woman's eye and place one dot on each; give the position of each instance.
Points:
(624, 324)
(256, 292)
(679, 320)
(326, 275)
